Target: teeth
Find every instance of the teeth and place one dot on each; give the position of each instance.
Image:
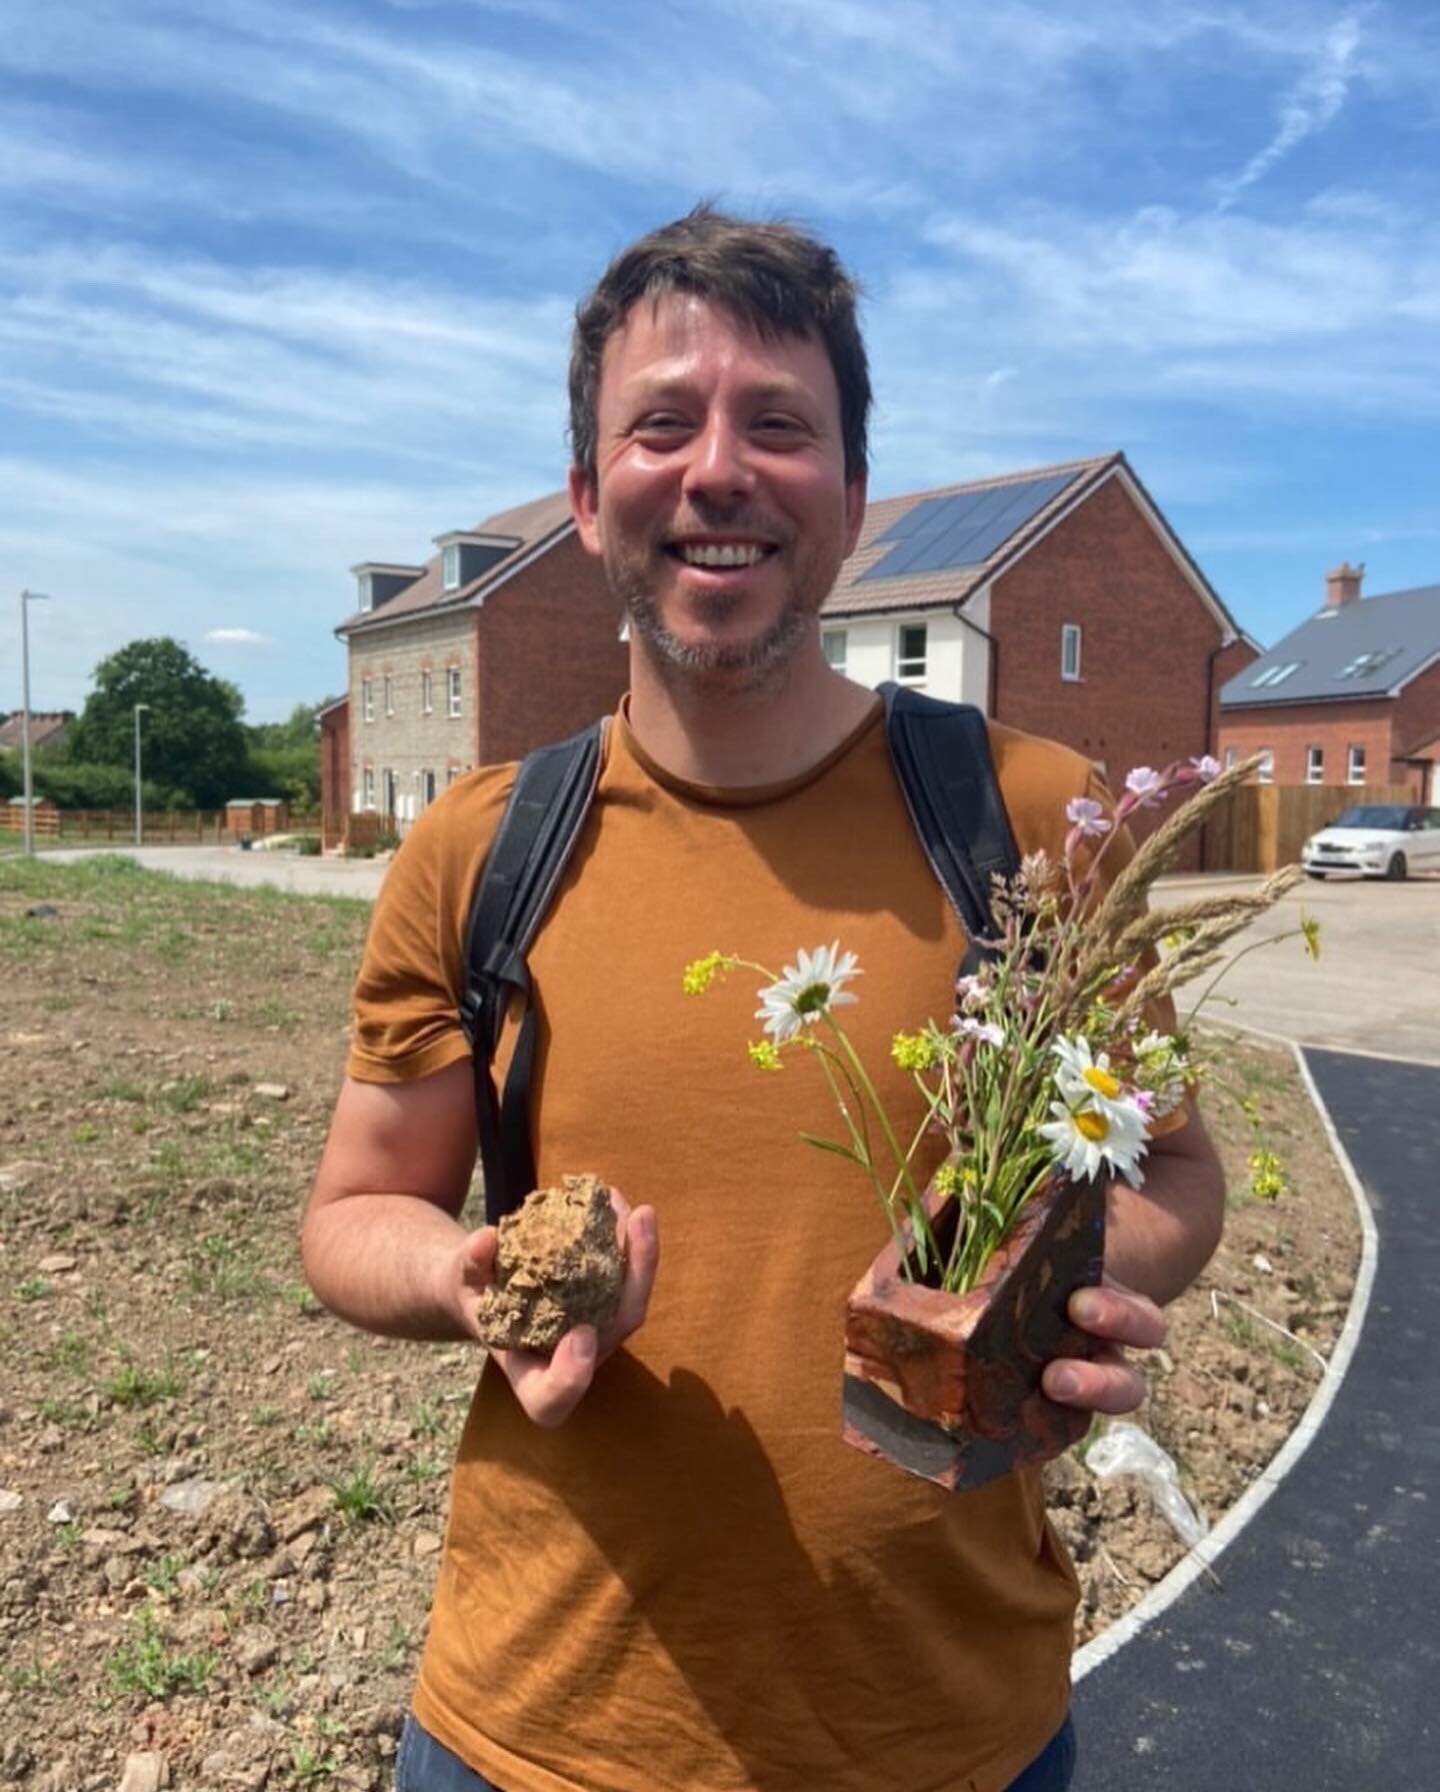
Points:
(725, 553)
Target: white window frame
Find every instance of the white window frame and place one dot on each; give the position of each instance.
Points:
(1232, 758)
(367, 788)
(389, 690)
(1071, 638)
(452, 692)
(367, 592)
(389, 793)
(1265, 773)
(450, 566)
(835, 645)
(367, 699)
(1314, 765)
(427, 692)
(1355, 763)
(911, 668)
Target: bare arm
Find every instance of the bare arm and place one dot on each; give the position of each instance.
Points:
(383, 1246)
(1158, 1239)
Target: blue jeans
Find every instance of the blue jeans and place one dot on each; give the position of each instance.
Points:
(423, 1765)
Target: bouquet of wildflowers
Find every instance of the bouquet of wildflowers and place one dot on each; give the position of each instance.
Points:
(1050, 1062)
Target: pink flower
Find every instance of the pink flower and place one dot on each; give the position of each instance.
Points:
(1146, 785)
(1087, 816)
(985, 1030)
(1206, 767)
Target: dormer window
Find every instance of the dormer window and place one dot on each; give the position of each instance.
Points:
(464, 558)
(367, 592)
(377, 581)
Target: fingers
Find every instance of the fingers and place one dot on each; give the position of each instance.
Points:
(640, 1242)
(550, 1388)
(1119, 1316)
(1106, 1383)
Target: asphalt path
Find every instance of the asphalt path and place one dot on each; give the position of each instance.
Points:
(1315, 1664)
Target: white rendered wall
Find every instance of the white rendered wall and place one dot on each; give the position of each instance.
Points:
(957, 658)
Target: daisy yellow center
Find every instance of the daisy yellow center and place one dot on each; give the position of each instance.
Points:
(1101, 1081)
(1094, 1127)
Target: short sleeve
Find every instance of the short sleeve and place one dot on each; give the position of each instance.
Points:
(406, 1004)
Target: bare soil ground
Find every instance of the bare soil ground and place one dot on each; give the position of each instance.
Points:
(221, 1510)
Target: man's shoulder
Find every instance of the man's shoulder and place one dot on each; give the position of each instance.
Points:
(1037, 778)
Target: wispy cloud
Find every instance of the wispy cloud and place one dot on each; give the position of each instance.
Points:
(1314, 102)
(238, 637)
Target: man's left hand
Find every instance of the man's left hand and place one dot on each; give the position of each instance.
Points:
(1107, 1382)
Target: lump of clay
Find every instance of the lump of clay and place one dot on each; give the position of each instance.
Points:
(557, 1265)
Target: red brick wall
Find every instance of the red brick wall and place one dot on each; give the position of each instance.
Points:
(548, 654)
(1229, 662)
(1145, 693)
(1289, 730)
(334, 773)
(1417, 714)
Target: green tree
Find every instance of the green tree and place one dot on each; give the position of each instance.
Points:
(193, 740)
(285, 756)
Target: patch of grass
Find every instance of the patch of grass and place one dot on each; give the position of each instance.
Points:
(321, 1385)
(70, 1353)
(34, 1288)
(1240, 1329)
(222, 1268)
(85, 1133)
(311, 1767)
(185, 1094)
(144, 1664)
(397, 1647)
(34, 1676)
(61, 1410)
(131, 1385)
(362, 1499)
(274, 1013)
(299, 1296)
(119, 1088)
(163, 1574)
(265, 1416)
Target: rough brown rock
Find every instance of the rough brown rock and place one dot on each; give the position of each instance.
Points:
(557, 1265)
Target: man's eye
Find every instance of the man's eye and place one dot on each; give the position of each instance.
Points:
(661, 423)
(779, 425)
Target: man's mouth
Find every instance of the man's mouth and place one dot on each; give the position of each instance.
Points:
(720, 553)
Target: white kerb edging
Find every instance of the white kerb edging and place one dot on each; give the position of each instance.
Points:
(1215, 1542)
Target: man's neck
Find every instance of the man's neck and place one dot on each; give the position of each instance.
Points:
(734, 733)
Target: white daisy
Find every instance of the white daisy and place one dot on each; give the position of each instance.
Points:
(1087, 1141)
(810, 987)
(1085, 1080)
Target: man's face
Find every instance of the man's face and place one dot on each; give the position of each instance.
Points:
(720, 504)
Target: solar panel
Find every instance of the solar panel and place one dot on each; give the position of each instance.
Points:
(964, 529)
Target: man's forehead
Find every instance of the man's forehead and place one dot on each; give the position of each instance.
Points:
(663, 331)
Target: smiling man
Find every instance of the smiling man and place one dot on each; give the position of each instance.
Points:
(664, 1570)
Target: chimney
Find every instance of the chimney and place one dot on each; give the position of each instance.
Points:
(1343, 585)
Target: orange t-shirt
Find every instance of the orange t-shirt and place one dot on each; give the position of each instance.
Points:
(694, 1585)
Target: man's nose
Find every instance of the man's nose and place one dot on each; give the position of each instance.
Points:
(719, 465)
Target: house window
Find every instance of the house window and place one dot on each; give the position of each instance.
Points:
(367, 699)
(1314, 765)
(1266, 772)
(1232, 758)
(367, 787)
(1273, 675)
(427, 692)
(450, 566)
(910, 652)
(1070, 651)
(427, 788)
(389, 695)
(387, 787)
(367, 592)
(452, 690)
(1355, 766)
(833, 643)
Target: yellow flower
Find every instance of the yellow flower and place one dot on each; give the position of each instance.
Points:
(764, 1054)
(1268, 1180)
(957, 1180)
(1310, 928)
(703, 972)
(913, 1051)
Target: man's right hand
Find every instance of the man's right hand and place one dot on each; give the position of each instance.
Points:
(549, 1388)
(383, 1246)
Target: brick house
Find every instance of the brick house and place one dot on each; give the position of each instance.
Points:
(47, 729)
(1352, 696)
(505, 638)
(1059, 600)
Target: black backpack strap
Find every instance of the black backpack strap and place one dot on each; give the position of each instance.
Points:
(941, 754)
(553, 791)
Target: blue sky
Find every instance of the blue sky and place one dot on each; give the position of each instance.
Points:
(286, 287)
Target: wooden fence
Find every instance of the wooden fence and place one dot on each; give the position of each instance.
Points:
(163, 827)
(1261, 827)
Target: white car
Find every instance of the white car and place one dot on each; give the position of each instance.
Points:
(1377, 840)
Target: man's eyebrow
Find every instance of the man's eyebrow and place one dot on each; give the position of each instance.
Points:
(648, 388)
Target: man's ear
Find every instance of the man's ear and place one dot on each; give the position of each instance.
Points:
(585, 508)
(855, 492)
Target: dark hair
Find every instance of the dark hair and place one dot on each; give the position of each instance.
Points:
(776, 277)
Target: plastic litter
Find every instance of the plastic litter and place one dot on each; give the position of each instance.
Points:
(1125, 1449)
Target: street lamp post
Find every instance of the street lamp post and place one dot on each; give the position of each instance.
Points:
(26, 599)
(139, 800)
